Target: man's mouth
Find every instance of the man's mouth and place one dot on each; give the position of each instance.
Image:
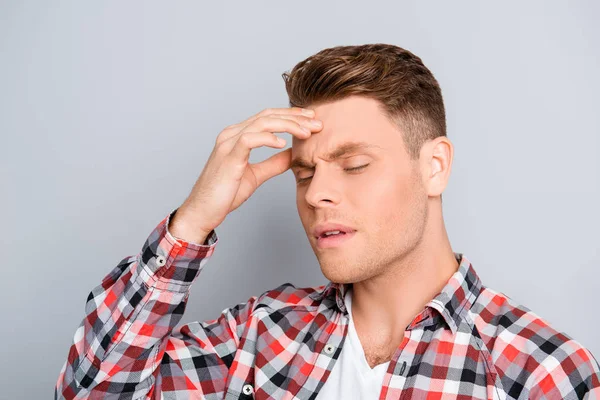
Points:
(334, 239)
(333, 233)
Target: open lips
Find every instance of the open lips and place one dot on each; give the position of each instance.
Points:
(331, 229)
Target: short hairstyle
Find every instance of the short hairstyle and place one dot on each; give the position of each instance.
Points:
(408, 93)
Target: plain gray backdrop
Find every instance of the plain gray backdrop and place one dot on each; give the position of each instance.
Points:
(109, 110)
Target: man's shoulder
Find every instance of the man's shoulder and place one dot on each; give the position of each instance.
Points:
(519, 339)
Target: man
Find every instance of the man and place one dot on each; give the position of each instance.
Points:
(404, 316)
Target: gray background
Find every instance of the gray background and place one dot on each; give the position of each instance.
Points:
(108, 112)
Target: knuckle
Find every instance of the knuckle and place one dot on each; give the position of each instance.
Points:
(220, 139)
(244, 139)
(262, 120)
(266, 111)
(219, 147)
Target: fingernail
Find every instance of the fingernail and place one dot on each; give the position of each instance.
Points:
(307, 111)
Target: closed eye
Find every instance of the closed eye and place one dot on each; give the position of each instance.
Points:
(345, 169)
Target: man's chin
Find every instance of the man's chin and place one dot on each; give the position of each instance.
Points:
(339, 276)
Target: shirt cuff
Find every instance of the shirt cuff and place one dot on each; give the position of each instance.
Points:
(170, 263)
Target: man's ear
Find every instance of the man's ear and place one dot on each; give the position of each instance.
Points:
(436, 164)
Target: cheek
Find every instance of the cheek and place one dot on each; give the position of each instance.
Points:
(390, 200)
(387, 188)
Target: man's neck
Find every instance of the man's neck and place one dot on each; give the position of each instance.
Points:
(383, 306)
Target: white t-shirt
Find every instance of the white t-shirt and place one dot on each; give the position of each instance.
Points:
(352, 377)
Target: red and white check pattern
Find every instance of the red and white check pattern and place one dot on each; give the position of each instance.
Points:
(469, 342)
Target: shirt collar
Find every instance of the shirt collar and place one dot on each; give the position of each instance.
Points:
(452, 302)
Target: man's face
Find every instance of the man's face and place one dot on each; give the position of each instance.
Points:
(385, 203)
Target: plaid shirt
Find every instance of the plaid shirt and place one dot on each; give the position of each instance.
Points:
(469, 342)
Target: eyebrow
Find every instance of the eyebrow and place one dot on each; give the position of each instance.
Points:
(340, 151)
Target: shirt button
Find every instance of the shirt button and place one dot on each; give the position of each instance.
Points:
(247, 389)
(160, 260)
(329, 348)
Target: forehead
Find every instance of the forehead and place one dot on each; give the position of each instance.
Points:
(353, 119)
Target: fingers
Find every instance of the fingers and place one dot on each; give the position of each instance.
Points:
(256, 134)
(300, 127)
(302, 130)
(294, 113)
(251, 140)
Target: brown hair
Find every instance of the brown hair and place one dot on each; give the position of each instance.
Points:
(409, 94)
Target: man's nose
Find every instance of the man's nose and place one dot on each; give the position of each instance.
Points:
(324, 189)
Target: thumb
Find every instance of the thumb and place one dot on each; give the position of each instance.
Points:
(275, 165)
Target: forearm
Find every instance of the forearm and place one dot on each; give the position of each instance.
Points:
(129, 315)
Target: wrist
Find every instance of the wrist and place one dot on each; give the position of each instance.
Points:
(182, 227)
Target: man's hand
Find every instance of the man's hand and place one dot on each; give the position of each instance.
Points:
(228, 179)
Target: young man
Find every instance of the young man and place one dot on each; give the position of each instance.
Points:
(404, 316)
